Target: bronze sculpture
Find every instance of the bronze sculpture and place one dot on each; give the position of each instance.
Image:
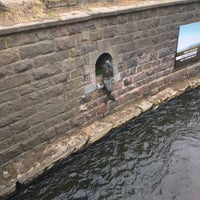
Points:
(107, 80)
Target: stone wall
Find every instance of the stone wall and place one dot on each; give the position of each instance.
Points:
(48, 84)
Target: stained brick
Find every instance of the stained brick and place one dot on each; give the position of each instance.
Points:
(2, 44)
(6, 71)
(1, 159)
(23, 66)
(5, 133)
(46, 71)
(11, 118)
(40, 48)
(5, 109)
(8, 95)
(65, 43)
(8, 56)
(14, 81)
(12, 153)
(19, 126)
(31, 143)
(21, 39)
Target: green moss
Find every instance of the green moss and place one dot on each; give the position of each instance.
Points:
(99, 71)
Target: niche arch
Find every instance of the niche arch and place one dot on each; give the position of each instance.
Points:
(100, 61)
(99, 70)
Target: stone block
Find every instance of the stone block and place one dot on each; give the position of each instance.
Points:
(37, 118)
(145, 105)
(56, 32)
(2, 44)
(21, 136)
(6, 71)
(5, 133)
(12, 153)
(7, 143)
(65, 43)
(46, 71)
(40, 61)
(23, 66)
(121, 19)
(19, 126)
(109, 32)
(74, 29)
(21, 39)
(64, 128)
(123, 116)
(11, 118)
(14, 81)
(6, 109)
(31, 143)
(58, 56)
(90, 88)
(95, 36)
(8, 95)
(1, 159)
(8, 56)
(37, 49)
(97, 130)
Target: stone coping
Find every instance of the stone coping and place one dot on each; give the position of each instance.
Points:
(47, 155)
(80, 16)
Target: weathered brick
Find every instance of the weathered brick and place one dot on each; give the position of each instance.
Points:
(5, 109)
(55, 108)
(23, 66)
(46, 125)
(65, 43)
(5, 133)
(6, 71)
(46, 71)
(21, 136)
(74, 29)
(8, 56)
(109, 32)
(21, 39)
(7, 143)
(58, 56)
(8, 95)
(19, 104)
(19, 126)
(48, 135)
(12, 153)
(63, 128)
(2, 44)
(14, 81)
(11, 118)
(31, 143)
(165, 52)
(40, 61)
(58, 32)
(33, 50)
(43, 34)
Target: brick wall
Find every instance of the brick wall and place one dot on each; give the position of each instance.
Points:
(48, 85)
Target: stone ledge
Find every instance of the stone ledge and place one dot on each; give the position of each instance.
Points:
(43, 158)
(79, 16)
(134, 110)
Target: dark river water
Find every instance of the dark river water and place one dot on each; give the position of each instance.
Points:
(155, 157)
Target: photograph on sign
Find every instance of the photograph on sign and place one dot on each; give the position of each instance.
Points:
(188, 47)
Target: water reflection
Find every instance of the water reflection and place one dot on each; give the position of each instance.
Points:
(155, 157)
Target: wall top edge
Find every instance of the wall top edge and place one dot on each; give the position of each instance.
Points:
(80, 16)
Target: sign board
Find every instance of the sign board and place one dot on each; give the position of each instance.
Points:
(188, 47)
